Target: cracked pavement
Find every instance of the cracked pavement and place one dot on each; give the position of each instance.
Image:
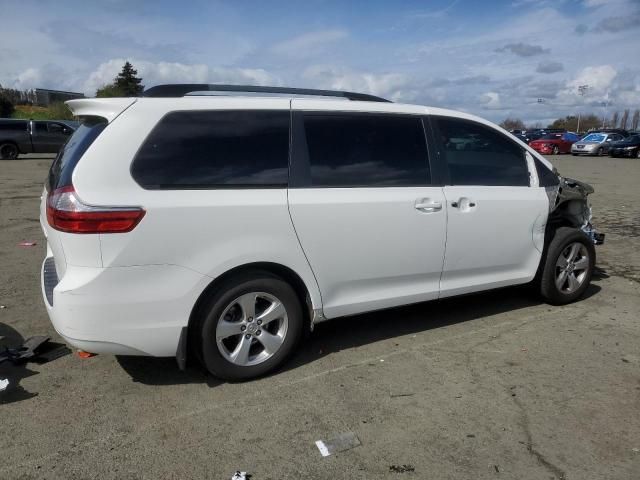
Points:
(493, 385)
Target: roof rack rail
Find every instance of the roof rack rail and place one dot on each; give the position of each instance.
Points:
(183, 89)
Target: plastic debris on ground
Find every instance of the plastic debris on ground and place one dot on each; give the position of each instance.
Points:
(344, 441)
(83, 354)
(35, 349)
(27, 244)
(4, 383)
(241, 476)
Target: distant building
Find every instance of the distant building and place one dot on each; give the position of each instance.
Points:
(45, 97)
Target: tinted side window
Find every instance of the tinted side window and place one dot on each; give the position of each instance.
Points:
(209, 149)
(14, 126)
(366, 150)
(40, 127)
(479, 155)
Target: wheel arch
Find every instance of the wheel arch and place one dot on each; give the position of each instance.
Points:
(310, 311)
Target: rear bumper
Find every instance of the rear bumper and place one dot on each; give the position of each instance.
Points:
(137, 310)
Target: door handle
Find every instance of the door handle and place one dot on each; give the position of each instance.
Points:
(428, 206)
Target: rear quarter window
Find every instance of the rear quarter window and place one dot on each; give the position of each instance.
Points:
(215, 149)
(73, 150)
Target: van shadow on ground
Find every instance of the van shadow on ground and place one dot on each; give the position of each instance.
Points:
(350, 332)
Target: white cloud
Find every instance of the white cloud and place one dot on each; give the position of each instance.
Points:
(30, 78)
(384, 84)
(598, 78)
(490, 100)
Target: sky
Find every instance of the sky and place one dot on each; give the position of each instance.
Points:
(495, 59)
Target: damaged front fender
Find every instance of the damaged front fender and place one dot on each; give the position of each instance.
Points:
(568, 204)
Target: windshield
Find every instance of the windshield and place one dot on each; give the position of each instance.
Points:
(594, 137)
(78, 143)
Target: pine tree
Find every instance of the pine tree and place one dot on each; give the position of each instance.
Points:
(128, 82)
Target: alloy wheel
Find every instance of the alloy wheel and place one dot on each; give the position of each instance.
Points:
(252, 328)
(572, 267)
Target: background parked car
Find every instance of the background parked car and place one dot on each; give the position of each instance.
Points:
(629, 147)
(554, 143)
(32, 136)
(596, 143)
(620, 131)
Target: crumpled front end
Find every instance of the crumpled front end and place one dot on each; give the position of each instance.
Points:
(568, 203)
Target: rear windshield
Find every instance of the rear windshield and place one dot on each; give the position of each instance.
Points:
(69, 156)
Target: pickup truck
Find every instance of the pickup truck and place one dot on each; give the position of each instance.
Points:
(32, 136)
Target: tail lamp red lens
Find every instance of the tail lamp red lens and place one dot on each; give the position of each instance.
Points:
(67, 213)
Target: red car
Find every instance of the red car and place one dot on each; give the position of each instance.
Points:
(554, 143)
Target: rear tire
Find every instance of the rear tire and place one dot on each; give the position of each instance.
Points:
(568, 266)
(233, 342)
(9, 151)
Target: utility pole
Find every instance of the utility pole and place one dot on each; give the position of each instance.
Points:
(582, 90)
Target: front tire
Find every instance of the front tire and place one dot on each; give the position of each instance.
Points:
(555, 150)
(249, 327)
(9, 151)
(568, 266)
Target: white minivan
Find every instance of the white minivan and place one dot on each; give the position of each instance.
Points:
(224, 221)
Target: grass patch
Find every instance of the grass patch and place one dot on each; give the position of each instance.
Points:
(56, 111)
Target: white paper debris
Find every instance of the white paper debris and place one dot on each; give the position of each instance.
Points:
(344, 441)
(239, 476)
(4, 383)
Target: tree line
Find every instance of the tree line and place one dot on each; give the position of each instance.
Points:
(591, 121)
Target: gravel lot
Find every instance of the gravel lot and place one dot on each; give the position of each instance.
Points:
(495, 385)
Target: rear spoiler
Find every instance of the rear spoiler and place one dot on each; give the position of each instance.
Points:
(108, 108)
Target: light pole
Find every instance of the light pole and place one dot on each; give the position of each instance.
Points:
(582, 90)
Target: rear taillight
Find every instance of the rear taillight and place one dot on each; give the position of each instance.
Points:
(67, 213)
